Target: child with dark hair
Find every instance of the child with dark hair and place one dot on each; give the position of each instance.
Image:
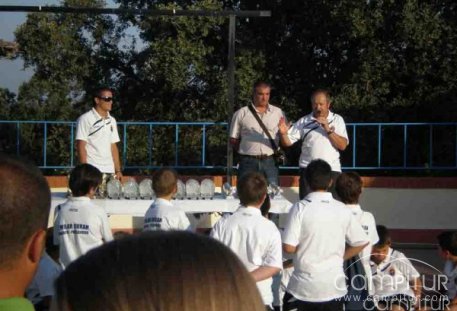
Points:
(447, 241)
(396, 282)
(81, 225)
(349, 188)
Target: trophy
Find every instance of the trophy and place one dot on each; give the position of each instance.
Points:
(192, 189)
(274, 191)
(207, 189)
(145, 188)
(131, 191)
(180, 190)
(114, 189)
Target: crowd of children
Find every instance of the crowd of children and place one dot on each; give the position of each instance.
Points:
(324, 239)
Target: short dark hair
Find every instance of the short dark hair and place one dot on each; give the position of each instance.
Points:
(83, 178)
(318, 175)
(448, 241)
(349, 187)
(164, 181)
(251, 188)
(98, 92)
(25, 201)
(260, 83)
(321, 91)
(384, 236)
(158, 270)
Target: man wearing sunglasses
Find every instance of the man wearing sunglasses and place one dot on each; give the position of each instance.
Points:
(97, 137)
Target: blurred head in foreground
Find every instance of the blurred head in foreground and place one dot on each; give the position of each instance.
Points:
(158, 271)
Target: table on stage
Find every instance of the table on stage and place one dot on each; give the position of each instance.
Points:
(139, 207)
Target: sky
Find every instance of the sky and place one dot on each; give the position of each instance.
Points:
(12, 72)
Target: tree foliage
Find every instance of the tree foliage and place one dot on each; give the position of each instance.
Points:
(383, 60)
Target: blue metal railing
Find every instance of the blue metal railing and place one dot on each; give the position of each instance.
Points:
(373, 146)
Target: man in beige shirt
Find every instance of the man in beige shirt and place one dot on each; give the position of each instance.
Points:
(249, 139)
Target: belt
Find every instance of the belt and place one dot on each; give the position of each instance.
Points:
(258, 157)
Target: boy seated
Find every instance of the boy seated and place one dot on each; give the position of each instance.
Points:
(80, 225)
(396, 282)
(448, 248)
(162, 214)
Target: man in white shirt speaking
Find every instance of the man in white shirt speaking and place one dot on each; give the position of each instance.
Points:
(317, 230)
(254, 238)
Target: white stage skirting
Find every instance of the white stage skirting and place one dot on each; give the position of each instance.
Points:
(139, 207)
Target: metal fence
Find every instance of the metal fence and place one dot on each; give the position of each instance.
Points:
(202, 145)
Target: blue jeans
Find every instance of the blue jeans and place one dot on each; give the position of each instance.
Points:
(266, 166)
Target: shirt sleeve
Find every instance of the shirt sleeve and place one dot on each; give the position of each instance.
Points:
(115, 133)
(373, 233)
(295, 132)
(273, 255)
(235, 128)
(406, 267)
(340, 127)
(184, 222)
(355, 236)
(82, 128)
(292, 229)
(215, 231)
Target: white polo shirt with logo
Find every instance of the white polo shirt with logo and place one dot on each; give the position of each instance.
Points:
(393, 275)
(255, 239)
(80, 226)
(99, 133)
(368, 224)
(245, 127)
(163, 215)
(316, 143)
(319, 226)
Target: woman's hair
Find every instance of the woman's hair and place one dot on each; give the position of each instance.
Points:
(164, 271)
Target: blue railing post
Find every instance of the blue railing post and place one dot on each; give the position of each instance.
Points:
(430, 151)
(18, 139)
(45, 139)
(72, 146)
(150, 145)
(204, 145)
(354, 132)
(176, 143)
(405, 144)
(379, 145)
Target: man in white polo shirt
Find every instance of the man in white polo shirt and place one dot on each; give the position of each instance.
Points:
(316, 232)
(97, 136)
(323, 135)
(254, 238)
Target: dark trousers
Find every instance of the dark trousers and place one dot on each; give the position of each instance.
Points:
(304, 188)
(291, 303)
(265, 166)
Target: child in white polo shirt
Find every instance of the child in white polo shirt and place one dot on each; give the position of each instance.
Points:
(162, 214)
(80, 225)
(396, 282)
(448, 249)
(349, 188)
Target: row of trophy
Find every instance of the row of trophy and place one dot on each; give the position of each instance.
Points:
(191, 190)
(131, 190)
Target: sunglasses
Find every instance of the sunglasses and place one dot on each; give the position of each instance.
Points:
(105, 98)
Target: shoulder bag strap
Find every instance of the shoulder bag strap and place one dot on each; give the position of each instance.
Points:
(264, 128)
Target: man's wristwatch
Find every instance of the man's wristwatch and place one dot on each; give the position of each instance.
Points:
(330, 132)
